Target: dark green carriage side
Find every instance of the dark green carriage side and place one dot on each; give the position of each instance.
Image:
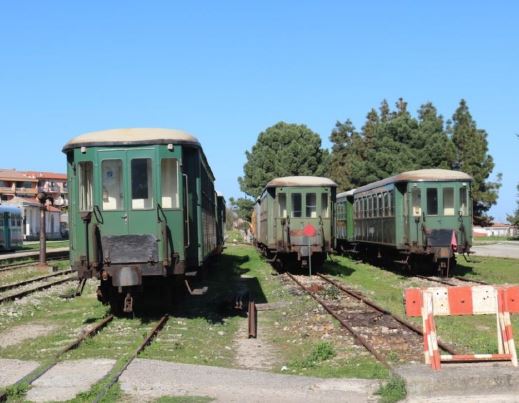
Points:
(417, 213)
(142, 203)
(289, 205)
(220, 221)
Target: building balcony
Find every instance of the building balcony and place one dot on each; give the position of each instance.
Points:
(26, 191)
(6, 190)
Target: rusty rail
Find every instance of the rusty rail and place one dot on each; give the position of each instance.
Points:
(33, 280)
(253, 320)
(38, 372)
(56, 256)
(471, 281)
(355, 334)
(149, 338)
(39, 288)
(380, 309)
(437, 280)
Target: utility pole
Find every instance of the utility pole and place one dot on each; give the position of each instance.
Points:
(42, 198)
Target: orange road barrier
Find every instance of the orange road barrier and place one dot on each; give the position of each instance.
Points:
(462, 301)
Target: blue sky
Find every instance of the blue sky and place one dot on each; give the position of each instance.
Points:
(227, 70)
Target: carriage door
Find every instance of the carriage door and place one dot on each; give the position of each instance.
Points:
(113, 203)
(142, 206)
(7, 231)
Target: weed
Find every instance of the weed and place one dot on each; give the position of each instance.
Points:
(392, 391)
(17, 391)
(321, 352)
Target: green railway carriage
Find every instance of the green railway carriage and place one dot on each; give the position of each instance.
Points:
(415, 217)
(293, 220)
(143, 210)
(11, 224)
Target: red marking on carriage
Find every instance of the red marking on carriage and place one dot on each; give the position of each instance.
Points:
(460, 300)
(413, 302)
(309, 230)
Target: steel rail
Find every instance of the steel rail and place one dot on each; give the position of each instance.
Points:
(380, 309)
(471, 281)
(355, 334)
(437, 280)
(42, 369)
(33, 262)
(39, 288)
(149, 338)
(33, 280)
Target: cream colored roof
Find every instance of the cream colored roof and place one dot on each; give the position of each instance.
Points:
(301, 181)
(345, 194)
(420, 175)
(130, 137)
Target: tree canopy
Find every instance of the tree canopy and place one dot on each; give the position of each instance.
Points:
(284, 149)
(393, 141)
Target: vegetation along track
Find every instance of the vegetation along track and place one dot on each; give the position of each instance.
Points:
(147, 341)
(42, 369)
(34, 260)
(388, 338)
(33, 280)
(452, 281)
(45, 285)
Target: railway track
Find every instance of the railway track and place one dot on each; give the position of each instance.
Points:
(451, 281)
(382, 333)
(147, 341)
(55, 257)
(23, 293)
(38, 372)
(33, 280)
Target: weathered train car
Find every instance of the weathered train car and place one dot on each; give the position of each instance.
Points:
(11, 233)
(142, 210)
(416, 217)
(293, 220)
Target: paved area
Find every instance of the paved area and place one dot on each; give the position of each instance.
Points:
(11, 371)
(18, 255)
(508, 249)
(68, 378)
(492, 382)
(151, 379)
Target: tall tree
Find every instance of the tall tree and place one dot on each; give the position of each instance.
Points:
(283, 150)
(346, 160)
(242, 207)
(514, 218)
(472, 157)
(433, 147)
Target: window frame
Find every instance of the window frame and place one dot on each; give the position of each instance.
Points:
(179, 184)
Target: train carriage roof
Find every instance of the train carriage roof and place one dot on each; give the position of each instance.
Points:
(300, 181)
(420, 175)
(130, 137)
(345, 194)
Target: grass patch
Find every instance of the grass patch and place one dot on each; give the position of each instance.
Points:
(392, 391)
(321, 352)
(35, 245)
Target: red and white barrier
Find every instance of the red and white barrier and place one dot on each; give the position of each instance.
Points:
(457, 301)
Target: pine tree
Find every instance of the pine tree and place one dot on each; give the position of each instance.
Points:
(472, 157)
(283, 150)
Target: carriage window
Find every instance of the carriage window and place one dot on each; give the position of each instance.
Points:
(417, 202)
(85, 185)
(448, 201)
(169, 182)
(432, 201)
(386, 204)
(365, 204)
(142, 184)
(13, 220)
(112, 171)
(380, 205)
(311, 205)
(296, 205)
(375, 205)
(324, 205)
(282, 200)
(464, 208)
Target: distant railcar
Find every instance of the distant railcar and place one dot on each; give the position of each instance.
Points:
(143, 210)
(419, 218)
(293, 220)
(11, 232)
